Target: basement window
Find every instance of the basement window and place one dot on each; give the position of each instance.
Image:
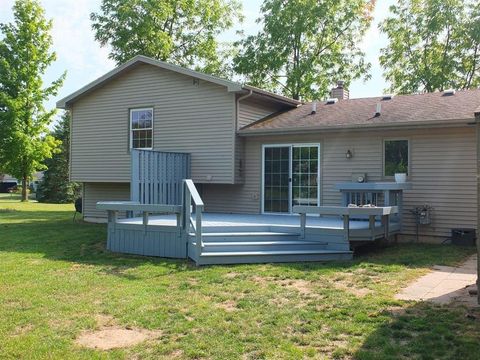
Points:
(395, 155)
(141, 129)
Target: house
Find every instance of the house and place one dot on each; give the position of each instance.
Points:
(7, 181)
(255, 152)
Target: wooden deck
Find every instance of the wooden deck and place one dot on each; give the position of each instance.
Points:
(316, 233)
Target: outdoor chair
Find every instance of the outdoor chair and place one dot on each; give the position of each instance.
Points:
(78, 208)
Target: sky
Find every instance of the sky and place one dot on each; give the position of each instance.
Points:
(84, 60)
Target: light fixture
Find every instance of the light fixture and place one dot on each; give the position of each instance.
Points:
(348, 154)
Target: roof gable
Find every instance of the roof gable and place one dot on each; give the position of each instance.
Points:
(139, 59)
(231, 86)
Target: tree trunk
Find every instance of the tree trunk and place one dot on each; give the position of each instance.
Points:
(24, 188)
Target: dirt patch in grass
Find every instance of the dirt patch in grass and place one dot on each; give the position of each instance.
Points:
(22, 329)
(348, 283)
(303, 287)
(111, 336)
(228, 306)
(231, 275)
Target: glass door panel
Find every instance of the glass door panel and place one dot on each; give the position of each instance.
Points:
(305, 175)
(276, 192)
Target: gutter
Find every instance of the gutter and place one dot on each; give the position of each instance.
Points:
(362, 127)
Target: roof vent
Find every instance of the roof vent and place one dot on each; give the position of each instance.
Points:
(378, 111)
(387, 97)
(332, 100)
(314, 108)
(449, 92)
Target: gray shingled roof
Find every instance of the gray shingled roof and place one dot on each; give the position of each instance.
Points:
(432, 108)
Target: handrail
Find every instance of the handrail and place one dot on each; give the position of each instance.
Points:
(345, 213)
(343, 210)
(136, 206)
(113, 207)
(193, 191)
(190, 193)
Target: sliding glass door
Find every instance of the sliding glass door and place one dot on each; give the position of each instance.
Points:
(290, 177)
(276, 175)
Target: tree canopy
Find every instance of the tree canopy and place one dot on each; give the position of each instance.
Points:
(305, 46)
(56, 186)
(24, 58)
(182, 32)
(433, 45)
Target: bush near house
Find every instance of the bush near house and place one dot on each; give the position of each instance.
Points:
(56, 186)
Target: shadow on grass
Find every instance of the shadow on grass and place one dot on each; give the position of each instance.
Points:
(57, 237)
(425, 331)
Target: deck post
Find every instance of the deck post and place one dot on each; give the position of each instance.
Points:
(303, 224)
(198, 228)
(188, 208)
(112, 219)
(371, 225)
(346, 226)
(385, 223)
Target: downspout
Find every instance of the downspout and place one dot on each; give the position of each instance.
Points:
(237, 115)
(477, 120)
(250, 92)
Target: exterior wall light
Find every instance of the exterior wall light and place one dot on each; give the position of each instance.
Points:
(348, 154)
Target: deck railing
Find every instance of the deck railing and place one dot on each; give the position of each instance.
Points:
(347, 212)
(190, 195)
(113, 207)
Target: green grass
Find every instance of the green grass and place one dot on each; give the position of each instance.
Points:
(56, 278)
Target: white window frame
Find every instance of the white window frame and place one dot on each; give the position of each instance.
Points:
(290, 145)
(408, 156)
(131, 130)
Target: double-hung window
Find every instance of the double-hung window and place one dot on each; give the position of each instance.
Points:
(396, 155)
(141, 128)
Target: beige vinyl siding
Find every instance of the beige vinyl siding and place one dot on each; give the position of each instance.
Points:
(188, 117)
(252, 109)
(442, 171)
(249, 110)
(94, 192)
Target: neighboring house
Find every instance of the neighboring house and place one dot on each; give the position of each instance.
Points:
(8, 181)
(253, 151)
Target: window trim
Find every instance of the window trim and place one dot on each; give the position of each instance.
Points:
(131, 130)
(409, 167)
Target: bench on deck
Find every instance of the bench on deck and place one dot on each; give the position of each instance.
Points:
(347, 213)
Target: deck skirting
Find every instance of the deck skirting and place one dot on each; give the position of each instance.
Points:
(150, 240)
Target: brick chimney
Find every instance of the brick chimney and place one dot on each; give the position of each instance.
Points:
(339, 92)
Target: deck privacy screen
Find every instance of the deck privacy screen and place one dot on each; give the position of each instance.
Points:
(157, 176)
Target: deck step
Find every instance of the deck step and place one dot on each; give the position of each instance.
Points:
(248, 257)
(271, 245)
(247, 236)
(265, 243)
(273, 252)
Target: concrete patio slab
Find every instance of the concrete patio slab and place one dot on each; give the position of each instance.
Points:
(444, 284)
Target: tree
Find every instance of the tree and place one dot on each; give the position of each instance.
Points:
(24, 57)
(56, 186)
(433, 45)
(305, 45)
(182, 32)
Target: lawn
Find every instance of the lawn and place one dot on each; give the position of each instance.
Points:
(57, 280)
